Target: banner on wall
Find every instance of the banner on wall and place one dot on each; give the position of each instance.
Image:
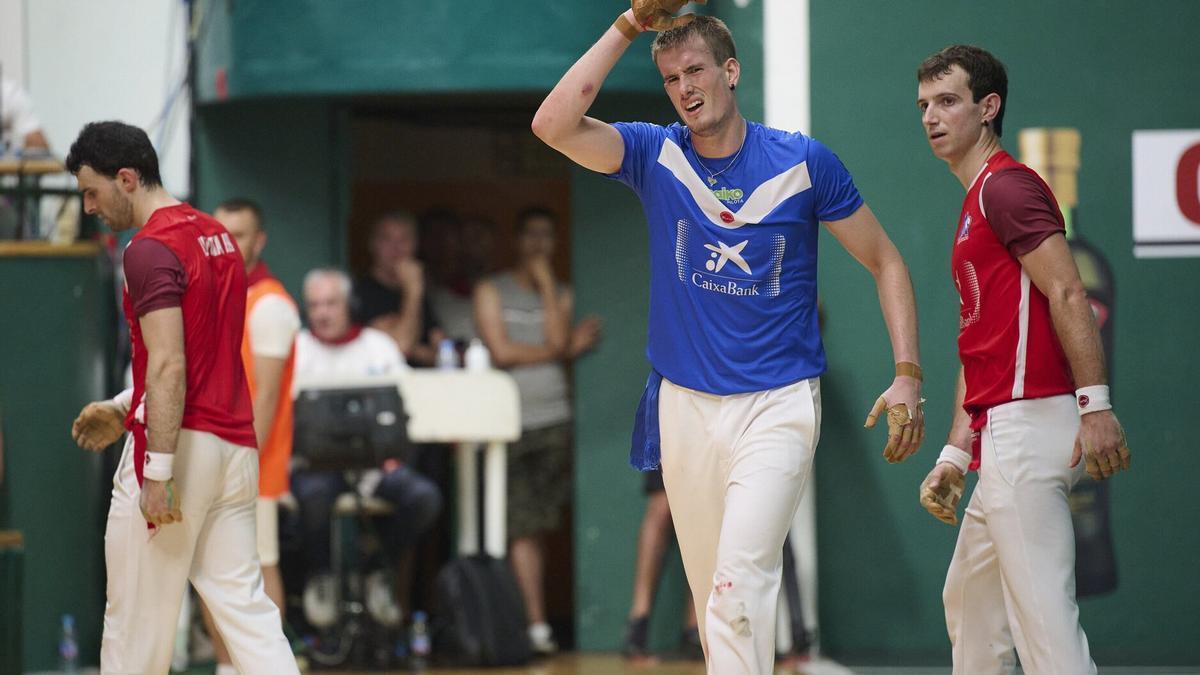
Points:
(1166, 193)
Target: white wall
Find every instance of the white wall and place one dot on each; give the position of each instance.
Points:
(786, 86)
(12, 39)
(89, 60)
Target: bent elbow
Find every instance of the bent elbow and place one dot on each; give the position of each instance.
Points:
(541, 126)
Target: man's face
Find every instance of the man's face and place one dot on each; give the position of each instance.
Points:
(108, 198)
(244, 227)
(536, 239)
(697, 85)
(953, 122)
(327, 307)
(394, 240)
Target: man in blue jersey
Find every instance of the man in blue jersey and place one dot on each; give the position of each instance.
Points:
(732, 209)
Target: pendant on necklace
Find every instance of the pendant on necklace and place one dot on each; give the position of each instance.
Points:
(712, 180)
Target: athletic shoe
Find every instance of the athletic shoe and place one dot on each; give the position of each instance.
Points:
(321, 600)
(635, 649)
(381, 600)
(689, 645)
(542, 639)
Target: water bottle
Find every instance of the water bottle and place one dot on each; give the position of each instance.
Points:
(447, 356)
(419, 640)
(477, 356)
(68, 648)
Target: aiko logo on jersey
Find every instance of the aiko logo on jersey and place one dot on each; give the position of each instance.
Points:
(729, 195)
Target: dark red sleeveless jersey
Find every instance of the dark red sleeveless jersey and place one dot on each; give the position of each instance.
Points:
(1006, 338)
(214, 310)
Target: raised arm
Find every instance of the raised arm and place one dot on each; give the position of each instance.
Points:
(561, 121)
(864, 238)
(405, 325)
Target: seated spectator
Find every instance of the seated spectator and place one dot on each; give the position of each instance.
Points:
(334, 345)
(20, 133)
(20, 129)
(391, 296)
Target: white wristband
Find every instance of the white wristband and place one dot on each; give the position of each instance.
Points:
(159, 466)
(124, 400)
(956, 457)
(1092, 399)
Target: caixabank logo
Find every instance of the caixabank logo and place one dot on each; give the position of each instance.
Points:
(740, 266)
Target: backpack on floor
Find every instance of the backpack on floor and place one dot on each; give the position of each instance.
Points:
(480, 618)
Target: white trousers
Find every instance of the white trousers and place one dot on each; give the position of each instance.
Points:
(734, 467)
(1012, 578)
(214, 547)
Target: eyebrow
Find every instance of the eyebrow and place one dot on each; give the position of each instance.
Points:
(934, 95)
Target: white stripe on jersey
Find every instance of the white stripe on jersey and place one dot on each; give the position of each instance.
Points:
(981, 187)
(1018, 390)
(761, 202)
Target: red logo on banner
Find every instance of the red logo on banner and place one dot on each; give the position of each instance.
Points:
(1187, 184)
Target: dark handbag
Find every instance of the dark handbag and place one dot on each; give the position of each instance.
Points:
(480, 618)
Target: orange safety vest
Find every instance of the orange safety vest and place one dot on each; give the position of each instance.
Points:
(276, 451)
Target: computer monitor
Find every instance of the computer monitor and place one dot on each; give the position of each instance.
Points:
(348, 427)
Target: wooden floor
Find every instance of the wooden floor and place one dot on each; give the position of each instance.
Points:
(613, 664)
(605, 664)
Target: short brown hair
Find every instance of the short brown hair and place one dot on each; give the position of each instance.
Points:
(712, 30)
(236, 204)
(985, 74)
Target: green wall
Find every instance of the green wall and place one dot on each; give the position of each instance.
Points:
(290, 156)
(1106, 68)
(286, 47)
(53, 492)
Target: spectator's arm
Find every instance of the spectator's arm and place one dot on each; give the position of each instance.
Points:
(268, 372)
(489, 320)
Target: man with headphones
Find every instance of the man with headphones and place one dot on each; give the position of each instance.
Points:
(334, 345)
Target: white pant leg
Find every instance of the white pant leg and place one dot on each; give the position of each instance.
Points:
(227, 574)
(976, 619)
(776, 435)
(734, 468)
(1028, 445)
(147, 574)
(693, 469)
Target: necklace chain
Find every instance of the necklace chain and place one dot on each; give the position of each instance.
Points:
(712, 177)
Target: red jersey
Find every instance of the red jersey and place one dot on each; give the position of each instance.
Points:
(1006, 338)
(213, 304)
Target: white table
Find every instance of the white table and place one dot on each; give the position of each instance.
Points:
(468, 409)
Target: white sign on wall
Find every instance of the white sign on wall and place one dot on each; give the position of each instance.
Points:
(1166, 193)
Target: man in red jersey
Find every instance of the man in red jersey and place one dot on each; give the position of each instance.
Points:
(1031, 399)
(190, 464)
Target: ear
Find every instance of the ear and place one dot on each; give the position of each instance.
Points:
(260, 242)
(128, 180)
(991, 106)
(733, 72)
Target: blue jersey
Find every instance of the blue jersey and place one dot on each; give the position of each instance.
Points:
(733, 262)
